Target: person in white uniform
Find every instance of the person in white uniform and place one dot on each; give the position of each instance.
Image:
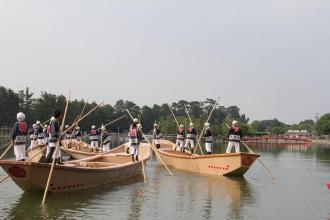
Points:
(94, 137)
(34, 136)
(40, 133)
(106, 139)
(208, 135)
(180, 135)
(157, 135)
(234, 137)
(19, 135)
(191, 136)
(54, 138)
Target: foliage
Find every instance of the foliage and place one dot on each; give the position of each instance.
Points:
(41, 108)
(323, 125)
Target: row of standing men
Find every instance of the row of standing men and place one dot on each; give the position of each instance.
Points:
(187, 139)
(50, 135)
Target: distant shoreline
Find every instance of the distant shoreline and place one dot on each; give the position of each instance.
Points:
(321, 141)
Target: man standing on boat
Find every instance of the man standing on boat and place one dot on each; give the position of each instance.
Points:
(94, 137)
(180, 135)
(18, 137)
(157, 136)
(33, 135)
(54, 137)
(234, 137)
(191, 135)
(106, 139)
(139, 139)
(68, 134)
(208, 135)
(78, 134)
(45, 132)
(40, 133)
(132, 135)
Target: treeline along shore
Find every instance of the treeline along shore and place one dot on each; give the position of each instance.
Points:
(41, 107)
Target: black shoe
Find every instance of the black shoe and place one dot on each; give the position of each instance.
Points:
(136, 158)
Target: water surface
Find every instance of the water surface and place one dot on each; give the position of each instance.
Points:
(299, 192)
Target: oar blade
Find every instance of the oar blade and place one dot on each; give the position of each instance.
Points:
(328, 185)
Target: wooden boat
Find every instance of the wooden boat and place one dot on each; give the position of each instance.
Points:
(82, 150)
(78, 174)
(214, 164)
(34, 153)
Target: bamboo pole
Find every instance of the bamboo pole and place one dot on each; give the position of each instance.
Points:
(56, 149)
(262, 163)
(198, 144)
(177, 123)
(3, 179)
(153, 147)
(8, 148)
(115, 120)
(207, 120)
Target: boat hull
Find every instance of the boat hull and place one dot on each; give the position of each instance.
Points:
(65, 179)
(75, 175)
(215, 164)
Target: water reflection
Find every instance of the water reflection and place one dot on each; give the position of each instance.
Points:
(62, 205)
(235, 191)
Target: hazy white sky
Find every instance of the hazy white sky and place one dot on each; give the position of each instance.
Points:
(269, 57)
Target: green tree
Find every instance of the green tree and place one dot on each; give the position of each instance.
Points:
(323, 124)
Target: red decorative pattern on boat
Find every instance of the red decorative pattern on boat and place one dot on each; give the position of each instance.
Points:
(219, 167)
(17, 172)
(247, 161)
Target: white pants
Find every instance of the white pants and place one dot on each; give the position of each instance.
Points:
(208, 147)
(156, 141)
(191, 142)
(106, 147)
(231, 144)
(19, 151)
(135, 149)
(57, 153)
(94, 143)
(179, 143)
(34, 143)
(40, 141)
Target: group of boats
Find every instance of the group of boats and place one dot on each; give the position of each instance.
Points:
(89, 168)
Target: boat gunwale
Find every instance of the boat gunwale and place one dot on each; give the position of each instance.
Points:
(196, 156)
(70, 168)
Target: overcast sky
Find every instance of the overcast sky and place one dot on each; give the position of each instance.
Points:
(269, 57)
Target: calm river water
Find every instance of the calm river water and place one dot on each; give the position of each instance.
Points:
(299, 192)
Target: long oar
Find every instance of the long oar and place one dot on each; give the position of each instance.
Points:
(56, 149)
(266, 168)
(117, 119)
(3, 179)
(153, 147)
(8, 148)
(198, 144)
(207, 120)
(177, 123)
